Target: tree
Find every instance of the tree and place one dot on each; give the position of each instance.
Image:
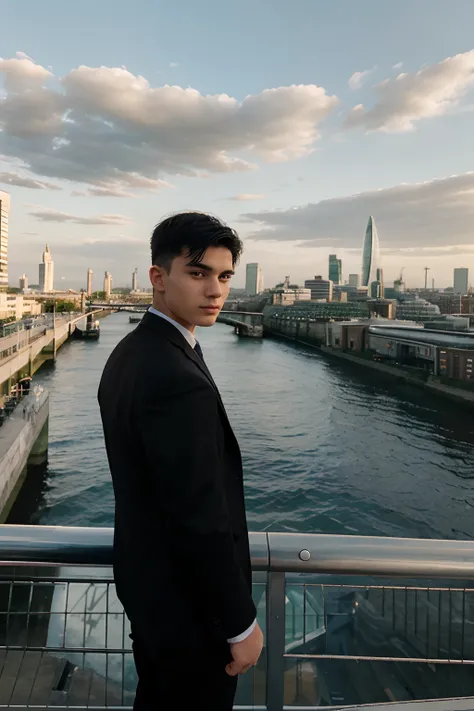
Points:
(61, 305)
(99, 295)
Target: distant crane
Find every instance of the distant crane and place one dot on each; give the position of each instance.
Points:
(427, 269)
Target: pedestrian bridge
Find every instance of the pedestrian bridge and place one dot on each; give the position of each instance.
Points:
(348, 621)
(245, 323)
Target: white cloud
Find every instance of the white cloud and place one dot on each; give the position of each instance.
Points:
(437, 213)
(173, 65)
(108, 128)
(408, 98)
(241, 197)
(51, 215)
(358, 79)
(398, 65)
(23, 181)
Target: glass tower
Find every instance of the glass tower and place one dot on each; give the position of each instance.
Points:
(370, 254)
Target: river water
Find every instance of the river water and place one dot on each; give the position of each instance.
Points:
(327, 446)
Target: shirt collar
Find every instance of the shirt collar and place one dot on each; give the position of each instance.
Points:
(184, 331)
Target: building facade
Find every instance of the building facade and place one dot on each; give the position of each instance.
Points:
(4, 214)
(18, 305)
(135, 279)
(418, 310)
(321, 289)
(46, 272)
(461, 281)
(354, 280)
(335, 269)
(253, 279)
(370, 254)
(23, 282)
(90, 274)
(289, 296)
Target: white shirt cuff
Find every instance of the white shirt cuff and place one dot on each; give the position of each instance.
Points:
(244, 635)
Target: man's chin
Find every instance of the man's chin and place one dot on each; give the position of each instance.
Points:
(207, 319)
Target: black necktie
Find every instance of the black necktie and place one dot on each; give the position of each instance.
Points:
(198, 350)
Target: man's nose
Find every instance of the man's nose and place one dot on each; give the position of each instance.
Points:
(214, 289)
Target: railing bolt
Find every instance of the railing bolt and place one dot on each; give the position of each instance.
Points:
(305, 555)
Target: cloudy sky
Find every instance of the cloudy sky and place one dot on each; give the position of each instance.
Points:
(293, 121)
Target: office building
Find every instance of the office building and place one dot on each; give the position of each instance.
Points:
(379, 278)
(23, 282)
(354, 280)
(321, 289)
(461, 281)
(370, 254)
(253, 279)
(107, 284)
(417, 309)
(89, 282)
(335, 269)
(4, 212)
(286, 294)
(46, 272)
(17, 306)
(135, 279)
(375, 290)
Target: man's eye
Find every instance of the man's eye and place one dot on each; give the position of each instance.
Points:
(197, 274)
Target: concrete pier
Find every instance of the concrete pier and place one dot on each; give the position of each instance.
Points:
(23, 441)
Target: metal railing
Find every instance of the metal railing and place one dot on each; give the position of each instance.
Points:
(346, 619)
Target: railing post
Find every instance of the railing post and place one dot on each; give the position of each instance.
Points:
(275, 643)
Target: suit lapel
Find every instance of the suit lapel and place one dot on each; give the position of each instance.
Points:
(171, 333)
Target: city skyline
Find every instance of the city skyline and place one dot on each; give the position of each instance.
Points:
(287, 151)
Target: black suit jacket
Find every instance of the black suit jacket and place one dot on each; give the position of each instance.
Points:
(181, 551)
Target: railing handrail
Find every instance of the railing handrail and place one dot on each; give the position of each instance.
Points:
(271, 552)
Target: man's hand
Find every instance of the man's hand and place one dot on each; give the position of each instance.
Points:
(245, 654)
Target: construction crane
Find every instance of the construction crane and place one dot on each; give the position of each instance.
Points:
(427, 269)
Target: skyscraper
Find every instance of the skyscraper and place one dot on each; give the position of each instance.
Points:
(354, 280)
(46, 272)
(379, 275)
(4, 210)
(107, 284)
(335, 269)
(23, 283)
(370, 254)
(461, 281)
(253, 279)
(135, 279)
(89, 282)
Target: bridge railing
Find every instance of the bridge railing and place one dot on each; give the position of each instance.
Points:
(347, 620)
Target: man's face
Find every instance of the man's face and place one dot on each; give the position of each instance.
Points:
(193, 295)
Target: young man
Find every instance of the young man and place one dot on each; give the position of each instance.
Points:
(181, 552)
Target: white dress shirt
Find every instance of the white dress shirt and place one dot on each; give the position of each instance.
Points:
(192, 342)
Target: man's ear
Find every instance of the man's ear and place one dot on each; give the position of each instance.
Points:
(156, 278)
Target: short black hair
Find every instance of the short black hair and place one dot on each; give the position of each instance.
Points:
(192, 233)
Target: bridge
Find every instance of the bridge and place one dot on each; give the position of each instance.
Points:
(113, 306)
(245, 323)
(249, 324)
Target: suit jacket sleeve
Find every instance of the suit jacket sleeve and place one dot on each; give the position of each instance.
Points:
(179, 437)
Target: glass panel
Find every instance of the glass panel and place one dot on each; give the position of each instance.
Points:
(251, 690)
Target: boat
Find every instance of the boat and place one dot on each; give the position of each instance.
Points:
(90, 333)
(134, 319)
